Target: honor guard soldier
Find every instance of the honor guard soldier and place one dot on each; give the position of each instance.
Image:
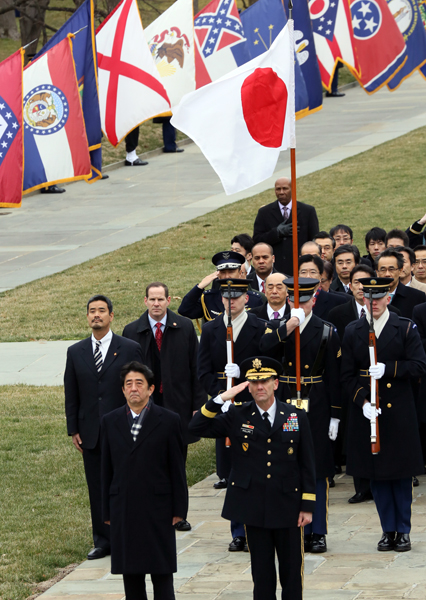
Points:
(272, 483)
(207, 304)
(214, 368)
(320, 382)
(400, 357)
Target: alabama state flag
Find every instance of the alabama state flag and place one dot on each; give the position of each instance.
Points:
(11, 130)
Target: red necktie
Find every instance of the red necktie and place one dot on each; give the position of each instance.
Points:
(263, 286)
(159, 340)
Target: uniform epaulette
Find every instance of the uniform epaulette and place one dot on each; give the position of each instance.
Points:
(238, 403)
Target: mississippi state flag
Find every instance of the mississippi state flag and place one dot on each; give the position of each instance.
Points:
(130, 90)
(55, 141)
(242, 121)
(333, 37)
(220, 44)
(378, 42)
(11, 130)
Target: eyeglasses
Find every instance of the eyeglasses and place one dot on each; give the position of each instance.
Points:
(420, 261)
(312, 272)
(384, 270)
(344, 238)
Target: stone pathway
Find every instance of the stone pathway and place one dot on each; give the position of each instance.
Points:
(352, 569)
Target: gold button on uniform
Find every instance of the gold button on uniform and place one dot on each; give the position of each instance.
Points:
(269, 452)
(288, 400)
(306, 366)
(269, 440)
(295, 490)
(290, 364)
(232, 483)
(389, 385)
(245, 436)
(268, 476)
(290, 450)
(389, 405)
(291, 441)
(268, 464)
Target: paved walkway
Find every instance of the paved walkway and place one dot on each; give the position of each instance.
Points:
(352, 569)
(51, 233)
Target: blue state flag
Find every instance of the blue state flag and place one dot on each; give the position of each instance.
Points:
(262, 23)
(84, 52)
(409, 19)
(305, 51)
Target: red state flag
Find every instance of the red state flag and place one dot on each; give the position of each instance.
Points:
(11, 145)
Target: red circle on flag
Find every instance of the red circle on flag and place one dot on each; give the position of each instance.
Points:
(316, 7)
(264, 100)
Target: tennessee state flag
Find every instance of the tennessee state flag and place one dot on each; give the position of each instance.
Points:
(378, 42)
(11, 151)
(55, 141)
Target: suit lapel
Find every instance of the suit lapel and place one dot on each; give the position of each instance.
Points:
(280, 417)
(146, 331)
(310, 331)
(247, 333)
(122, 425)
(113, 352)
(151, 421)
(257, 420)
(389, 331)
(87, 353)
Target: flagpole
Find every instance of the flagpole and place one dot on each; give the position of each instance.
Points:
(294, 224)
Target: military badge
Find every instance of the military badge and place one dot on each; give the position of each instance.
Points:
(245, 446)
(257, 364)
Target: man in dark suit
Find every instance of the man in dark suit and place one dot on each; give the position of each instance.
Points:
(346, 258)
(273, 225)
(390, 264)
(214, 369)
(276, 306)
(144, 491)
(263, 265)
(169, 348)
(272, 480)
(92, 389)
(400, 357)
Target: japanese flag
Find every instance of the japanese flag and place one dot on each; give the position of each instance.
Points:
(242, 121)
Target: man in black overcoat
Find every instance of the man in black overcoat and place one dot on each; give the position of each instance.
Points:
(320, 370)
(273, 225)
(92, 389)
(400, 357)
(272, 483)
(144, 491)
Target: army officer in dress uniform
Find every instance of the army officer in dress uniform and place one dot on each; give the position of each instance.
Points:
(272, 482)
(207, 304)
(320, 368)
(400, 357)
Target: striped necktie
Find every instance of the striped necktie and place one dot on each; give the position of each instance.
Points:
(98, 357)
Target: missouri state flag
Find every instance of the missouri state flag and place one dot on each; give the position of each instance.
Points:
(378, 41)
(220, 43)
(81, 23)
(262, 23)
(242, 121)
(11, 153)
(130, 88)
(408, 17)
(55, 141)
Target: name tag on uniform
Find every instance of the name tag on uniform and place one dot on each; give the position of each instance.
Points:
(245, 428)
(292, 423)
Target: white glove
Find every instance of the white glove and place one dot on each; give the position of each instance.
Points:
(226, 406)
(333, 428)
(232, 370)
(377, 371)
(367, 409)
(299, 313)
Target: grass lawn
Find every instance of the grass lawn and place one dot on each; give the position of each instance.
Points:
(382, 187)
(45, 518)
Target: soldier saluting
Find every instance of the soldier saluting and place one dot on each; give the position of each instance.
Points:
(400, 357)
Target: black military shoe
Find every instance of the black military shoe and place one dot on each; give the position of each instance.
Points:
(416, 482)
(183, 525)
(360, 497)
(308, 542)
(319, 544)
(402, 542)
(237, 544)
(387, 542)
(221, 484)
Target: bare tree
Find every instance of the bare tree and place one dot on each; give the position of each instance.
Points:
(8, 26)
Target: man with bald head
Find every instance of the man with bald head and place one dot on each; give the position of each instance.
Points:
(273, 225)
(276, 306)
(311, 248)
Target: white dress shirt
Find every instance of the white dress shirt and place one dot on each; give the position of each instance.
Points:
(271, 412)
(271, 311)
(104, 344)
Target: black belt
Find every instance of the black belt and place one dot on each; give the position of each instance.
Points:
(303, 380)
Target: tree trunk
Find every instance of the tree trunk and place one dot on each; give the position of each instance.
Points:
(8, 26)
(32, 22)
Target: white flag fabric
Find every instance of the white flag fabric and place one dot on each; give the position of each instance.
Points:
(171, 41)
(242, 121)
(130, 90)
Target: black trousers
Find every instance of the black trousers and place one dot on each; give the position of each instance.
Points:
(132, 140)
(134, 586)
(287, 543)
(361, 485)
(92, 468)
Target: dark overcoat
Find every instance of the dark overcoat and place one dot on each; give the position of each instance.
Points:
(88, 394)
(212, 356)
(326, 301)
(143, 488)
(406, 298)
(182, 391)
(265, 230)
(324, 397)
(419, 318)
(400, 349)
(273, 473)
